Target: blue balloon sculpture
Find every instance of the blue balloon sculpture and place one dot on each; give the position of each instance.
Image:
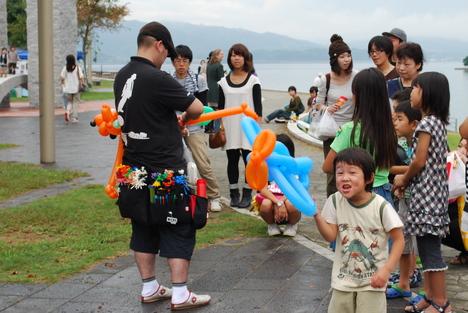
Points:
(290, 174)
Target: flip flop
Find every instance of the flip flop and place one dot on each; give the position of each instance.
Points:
(397, 292)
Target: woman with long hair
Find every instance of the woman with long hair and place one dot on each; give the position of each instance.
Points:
(370, 128)
(333, 86)
(72, 78)
(237, 87)
(214, 72)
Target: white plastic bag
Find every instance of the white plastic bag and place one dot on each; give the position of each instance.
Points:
(315, 118)
(456, 170)
(327, 127)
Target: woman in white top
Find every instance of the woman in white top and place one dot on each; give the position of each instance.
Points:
(72, 78)
(340, 81)
(234, 89)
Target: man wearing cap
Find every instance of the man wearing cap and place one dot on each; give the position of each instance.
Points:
(146, 99)
(398, 37)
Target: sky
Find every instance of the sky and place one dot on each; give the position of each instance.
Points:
(314, 20)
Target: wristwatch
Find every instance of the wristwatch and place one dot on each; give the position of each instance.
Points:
(280, 203)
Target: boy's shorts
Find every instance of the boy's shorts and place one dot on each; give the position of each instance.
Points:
(175, 242)
(410, 240)
(357, 302)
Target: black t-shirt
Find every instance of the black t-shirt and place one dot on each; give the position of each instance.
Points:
(150, 130)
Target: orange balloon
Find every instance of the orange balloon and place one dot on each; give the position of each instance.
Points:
(106, 113)
(98, 119)
(243, 108)
(256, 171)
(103, 129)
(110, 188)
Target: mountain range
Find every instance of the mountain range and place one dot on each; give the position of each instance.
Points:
(116, 47)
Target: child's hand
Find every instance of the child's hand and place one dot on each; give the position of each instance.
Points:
(380, 278)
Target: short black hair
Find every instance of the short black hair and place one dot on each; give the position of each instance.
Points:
(358, 157)
(405, 108)
(292, 88)
(383, 43)
(287, 141)
(411, 50)
(402, 95)
(184, 52)
(312, 89)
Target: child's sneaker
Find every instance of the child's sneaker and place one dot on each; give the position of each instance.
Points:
(273, 230)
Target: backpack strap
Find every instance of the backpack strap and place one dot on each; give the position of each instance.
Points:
(327, 86)
(334, 200)
(382, 206)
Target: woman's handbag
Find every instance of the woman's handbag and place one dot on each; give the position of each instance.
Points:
(217, 139)
(81, 86)
(456, 172)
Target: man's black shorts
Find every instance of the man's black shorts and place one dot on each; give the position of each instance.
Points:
(175, 242)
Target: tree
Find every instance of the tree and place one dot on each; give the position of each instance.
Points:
(16, 19)
(465, 61)
(93, 14)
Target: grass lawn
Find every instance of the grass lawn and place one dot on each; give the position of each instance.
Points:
(56, 237)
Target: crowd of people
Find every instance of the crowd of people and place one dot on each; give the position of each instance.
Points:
(381, 208)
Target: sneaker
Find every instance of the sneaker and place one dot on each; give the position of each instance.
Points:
(67, 114)
(75, 120)
(273, 230)
(290, 230)
(162, 293)
(215, 205)
(193, 301)
(265, 120)
(280, 120)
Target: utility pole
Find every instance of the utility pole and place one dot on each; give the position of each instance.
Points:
(46, 81)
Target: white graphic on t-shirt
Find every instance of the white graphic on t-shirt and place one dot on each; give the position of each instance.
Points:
(138, 135)
(126, 94)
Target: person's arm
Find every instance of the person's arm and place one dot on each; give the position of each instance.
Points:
(257, 100)
(327, 166)
(328, 231)
(221, 99)
(402, 181)
(398, 169)
(193, 111)
(463, 129)
(380, 278)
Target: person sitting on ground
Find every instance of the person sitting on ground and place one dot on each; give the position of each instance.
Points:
(295, 105)
(275, 208)
(312, 103)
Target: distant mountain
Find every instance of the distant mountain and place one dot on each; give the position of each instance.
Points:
(117, 47)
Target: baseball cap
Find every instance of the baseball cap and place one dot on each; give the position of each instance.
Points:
(399, 33)
(160, 32)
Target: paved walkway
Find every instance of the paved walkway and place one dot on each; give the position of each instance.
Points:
(249, 275)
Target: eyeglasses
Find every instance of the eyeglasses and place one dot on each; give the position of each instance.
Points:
(182, 61)
(371, 52)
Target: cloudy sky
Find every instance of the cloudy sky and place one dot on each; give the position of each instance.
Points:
(314, 20)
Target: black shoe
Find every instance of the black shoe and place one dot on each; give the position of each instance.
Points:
(235, 198)
(246, 201)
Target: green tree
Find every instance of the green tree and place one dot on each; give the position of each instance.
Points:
(465, 61)
(94, 14)
(16, 19)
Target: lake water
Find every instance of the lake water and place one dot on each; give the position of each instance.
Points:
(280, 76)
